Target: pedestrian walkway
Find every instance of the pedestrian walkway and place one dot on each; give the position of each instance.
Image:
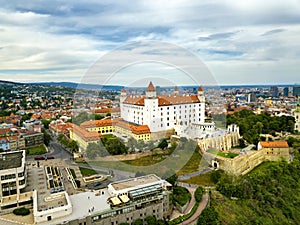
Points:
(202, 205)
(194, 217)
(188, 176)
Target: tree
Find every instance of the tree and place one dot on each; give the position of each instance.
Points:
(198, 194)
(209, 216)
(151, 220)
(138, 222)
(46, 123)
(73, 146)
(242, 143)
(163, 144)
(92, 150)
(47, 137)
(172, 179)
(131, 144)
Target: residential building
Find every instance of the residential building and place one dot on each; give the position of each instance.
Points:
(4, 144)
(16, 142)
(13, 180)
(33, 139)
(296, 91)
(33, 125)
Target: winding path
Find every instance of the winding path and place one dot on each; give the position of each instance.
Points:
(194, 217)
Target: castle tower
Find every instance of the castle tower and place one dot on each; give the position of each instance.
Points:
(151, 92)
(176, 91)
(123, 95)
(201, 94)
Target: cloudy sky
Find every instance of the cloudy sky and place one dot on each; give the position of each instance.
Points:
(240, 42)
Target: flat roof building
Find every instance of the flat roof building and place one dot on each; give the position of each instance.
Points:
(13, 180)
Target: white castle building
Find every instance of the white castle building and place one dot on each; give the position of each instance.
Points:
(164, 112)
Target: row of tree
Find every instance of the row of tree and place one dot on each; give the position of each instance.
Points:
(71, 144)
(251, 125)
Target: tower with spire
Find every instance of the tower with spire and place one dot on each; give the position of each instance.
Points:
(151, 92)
(201, 94)
(123, 95)
(176, 91)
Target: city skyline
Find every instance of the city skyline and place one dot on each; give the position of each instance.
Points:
(240, 43)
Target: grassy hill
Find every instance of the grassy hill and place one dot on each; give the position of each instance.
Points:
(270, 194)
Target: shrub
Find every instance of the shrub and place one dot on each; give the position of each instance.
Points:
(198, 194)
(21, 211)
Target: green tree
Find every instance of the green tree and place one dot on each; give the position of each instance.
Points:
(47, 137)
(92, 150)
(209, 216)
(138, 222)
(151, 220)
(198, 194)
(163, 144)
(131, 144)
(172, 179)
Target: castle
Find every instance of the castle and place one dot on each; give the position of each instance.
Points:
(164, 112)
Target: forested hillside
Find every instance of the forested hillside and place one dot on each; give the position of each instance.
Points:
(270, 194)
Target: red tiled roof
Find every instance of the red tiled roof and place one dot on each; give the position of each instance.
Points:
(200, 88)
(107, 110)
(164, 100)
(151, 87)
(96, 123)
(135, 129)
(274, 144)
(85, 135)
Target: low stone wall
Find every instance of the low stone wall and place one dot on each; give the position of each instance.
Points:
(243, 164)
(128, 156)
(180, 208)
(162, 134)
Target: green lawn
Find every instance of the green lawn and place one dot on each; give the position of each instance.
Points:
(38, 150)
(223, 154)
(148, 160)
(73, 173)
(192, 165)
(201, 180)
(87, 172)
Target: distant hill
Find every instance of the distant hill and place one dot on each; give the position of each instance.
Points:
(118, 88)
(4, 82)
(82, 86)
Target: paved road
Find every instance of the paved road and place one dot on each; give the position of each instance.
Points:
(194, 217)
(117, 174)
(188, 176)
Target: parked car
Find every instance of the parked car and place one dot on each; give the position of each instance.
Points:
(50, 157)
(39, 158)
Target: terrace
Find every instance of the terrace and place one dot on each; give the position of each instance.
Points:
(10, 160)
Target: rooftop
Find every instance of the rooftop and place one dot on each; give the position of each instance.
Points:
(274, 144)
(164, 100)
(10, 160)
(135, 182)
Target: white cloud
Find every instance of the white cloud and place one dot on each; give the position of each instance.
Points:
(232, 37)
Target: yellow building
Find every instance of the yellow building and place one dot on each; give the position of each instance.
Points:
(101, 126)
(138, 132)
(16, 143)
(83, 137)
